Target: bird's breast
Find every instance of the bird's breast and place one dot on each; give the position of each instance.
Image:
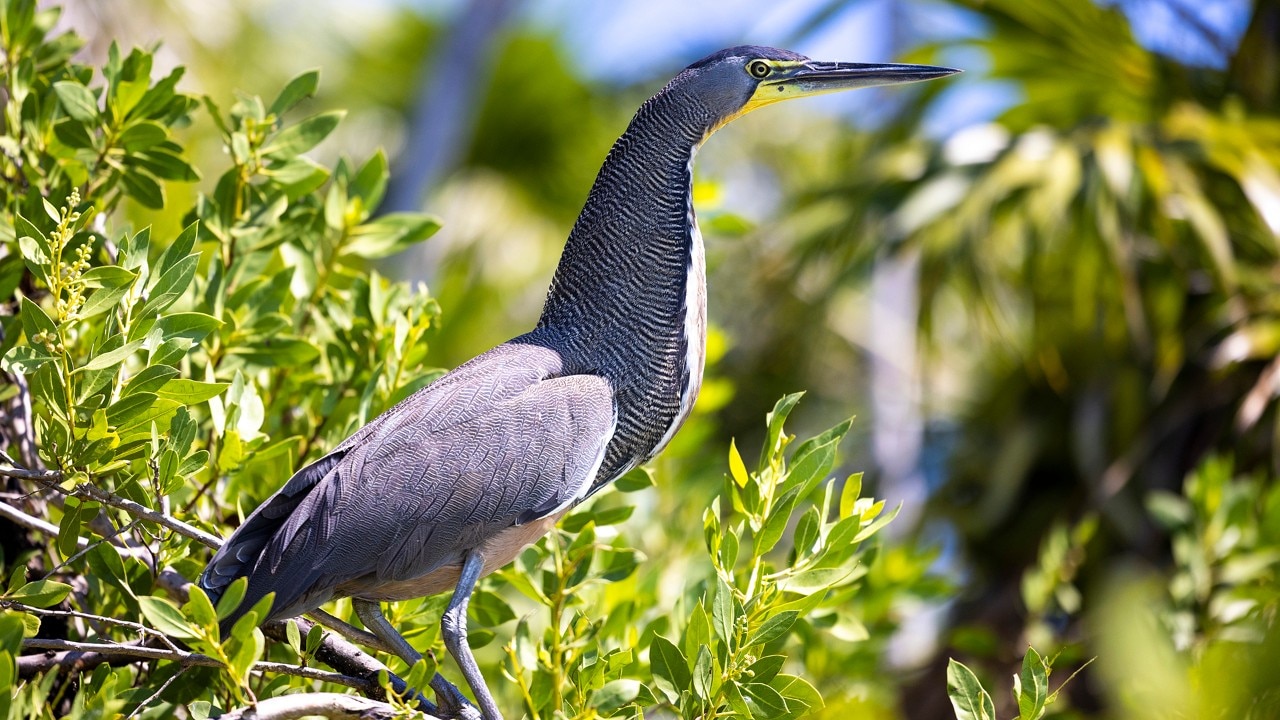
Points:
(695, 334)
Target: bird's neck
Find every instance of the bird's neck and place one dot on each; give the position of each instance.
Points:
(628, 300)
(630, 253)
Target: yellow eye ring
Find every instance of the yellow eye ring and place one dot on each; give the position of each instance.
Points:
(759, 69)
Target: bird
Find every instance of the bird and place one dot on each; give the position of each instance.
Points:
(454, 481)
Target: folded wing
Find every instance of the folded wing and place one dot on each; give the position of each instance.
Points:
(502, 440)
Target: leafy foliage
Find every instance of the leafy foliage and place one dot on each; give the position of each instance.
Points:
(182, 378)
(1031, 695)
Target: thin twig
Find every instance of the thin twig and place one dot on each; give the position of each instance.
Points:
(333, 651)
(190, 506)
(51, 478)
(137, 627)
(350, 632)
(330, 705)
(150, 699)
(89, 545)
(22, 519)
(30, 522)
(123, 650)
(110, 651)
(47, 476)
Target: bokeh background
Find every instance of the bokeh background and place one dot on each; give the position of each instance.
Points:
(1047, 288)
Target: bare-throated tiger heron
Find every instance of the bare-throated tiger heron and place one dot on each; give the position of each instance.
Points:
(454, 481)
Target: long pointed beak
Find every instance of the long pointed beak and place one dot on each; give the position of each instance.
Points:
(823, 77)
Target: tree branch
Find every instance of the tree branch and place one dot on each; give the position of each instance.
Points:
(136, 627)
(355, 668)
(116, 653)
(330, 705)
(50, 479)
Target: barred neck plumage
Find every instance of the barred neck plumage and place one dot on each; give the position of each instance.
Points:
(628, 300)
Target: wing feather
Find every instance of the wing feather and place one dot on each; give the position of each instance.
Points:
(501, 441)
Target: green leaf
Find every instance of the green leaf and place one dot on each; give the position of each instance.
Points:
(766, 668)
(68, 538)
(737, 469)
(292, 634)
(295, 91)
(722, 611)
(798, 690)
(113, 282)
(970, 700)
(734, 696)
(638, 479)
(670, 668)
(489, 610)
(179, 250)
(297, 139)
(702, 669)
(389, 234)
(849, 494)
(34, 319)
(41, 593)
(35, 249)
(814, 458)
(773, 628)
(769, 700)
(697, 632)
(808, 528)
(233, 596)
(191, 325)
(1032, 689)
(77, 100)
(139, 185)
(160, 412)
(370, 183)
(277, 352)
(165, 617)
(111, 358)
(150, 380)
(105, 563)
(171, 285)
(775, 420)
(200, 611)
(129, 406)
(108, 276)
(776, 523)
(814, 580)
(874, 527)
(615, 694)
(191, 392)
(142, 135)
(73, 133)
(164, 165)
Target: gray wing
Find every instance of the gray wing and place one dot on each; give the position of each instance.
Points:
(498, 442)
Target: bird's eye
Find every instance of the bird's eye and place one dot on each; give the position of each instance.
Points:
(759, 69)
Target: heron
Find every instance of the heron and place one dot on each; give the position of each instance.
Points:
(456, 480)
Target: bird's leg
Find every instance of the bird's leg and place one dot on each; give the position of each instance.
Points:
(370, 613)
(453, 626)
(452, 701)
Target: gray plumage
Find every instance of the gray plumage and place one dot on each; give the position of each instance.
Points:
(453, 481)
(424, 482)
(515, 434)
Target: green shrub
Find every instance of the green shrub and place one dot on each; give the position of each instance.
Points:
(173, 382)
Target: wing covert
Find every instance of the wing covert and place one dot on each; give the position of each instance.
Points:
(435, 477)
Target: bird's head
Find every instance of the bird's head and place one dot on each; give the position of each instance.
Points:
(740, 79)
